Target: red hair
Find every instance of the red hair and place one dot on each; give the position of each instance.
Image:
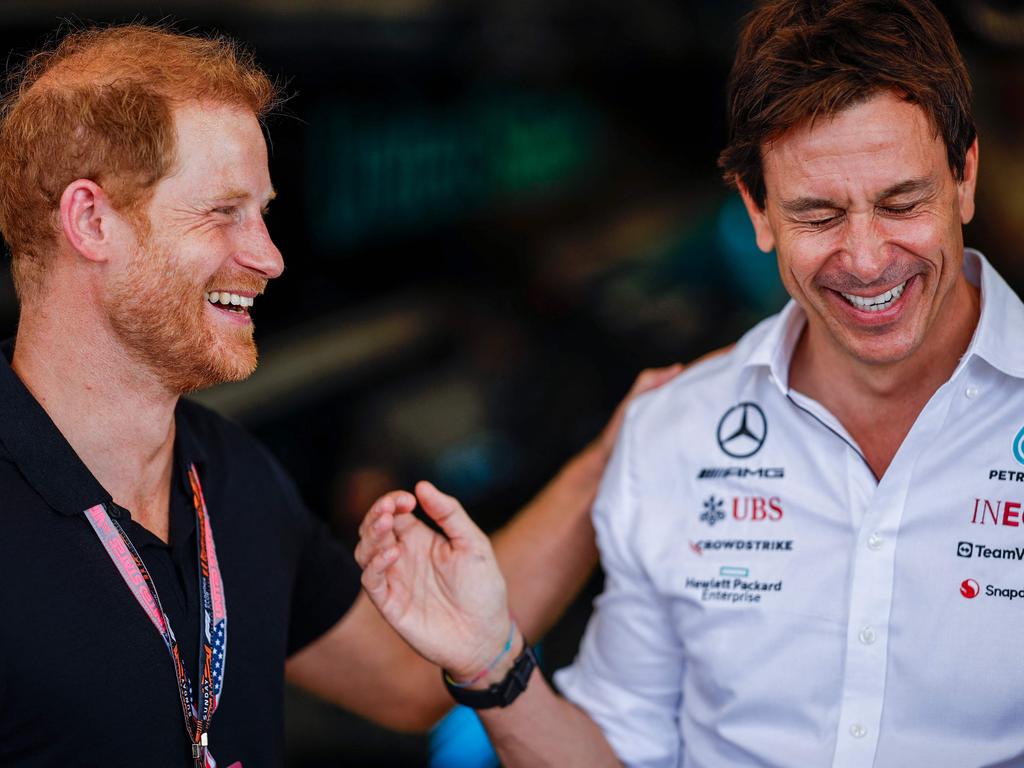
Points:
(99, 104)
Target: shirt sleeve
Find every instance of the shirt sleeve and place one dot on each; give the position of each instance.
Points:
(327, 579)
(628, 673)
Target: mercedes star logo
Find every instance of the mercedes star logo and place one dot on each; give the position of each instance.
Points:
(742, 430)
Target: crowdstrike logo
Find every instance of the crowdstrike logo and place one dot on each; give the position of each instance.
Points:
(742, 430)
(969, 588)
(741, 545)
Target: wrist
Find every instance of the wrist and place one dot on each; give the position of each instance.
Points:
(500, 670)
(495, 664)
(503, 692)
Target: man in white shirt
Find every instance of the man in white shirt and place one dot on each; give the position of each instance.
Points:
(814, 545)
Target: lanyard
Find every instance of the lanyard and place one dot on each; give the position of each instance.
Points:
(214, 622)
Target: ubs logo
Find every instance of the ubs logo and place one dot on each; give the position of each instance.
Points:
(742, 430)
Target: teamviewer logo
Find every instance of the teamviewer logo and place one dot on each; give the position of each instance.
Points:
(964, 549)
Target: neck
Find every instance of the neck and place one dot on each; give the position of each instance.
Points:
(117, 418)
(878, 403)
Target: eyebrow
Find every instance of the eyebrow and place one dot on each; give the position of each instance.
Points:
(924, 186)
(796, 206)
(237, 193)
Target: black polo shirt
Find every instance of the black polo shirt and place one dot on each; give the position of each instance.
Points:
(85, 679)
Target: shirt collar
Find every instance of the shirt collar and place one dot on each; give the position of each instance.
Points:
(44, 456)
(775, 349)
(996, 338)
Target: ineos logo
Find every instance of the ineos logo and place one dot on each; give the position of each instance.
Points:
(742, 430)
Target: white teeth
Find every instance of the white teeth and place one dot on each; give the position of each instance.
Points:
(876, 303)
(225, 299)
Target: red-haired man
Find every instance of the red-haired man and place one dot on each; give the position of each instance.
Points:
(140, 528)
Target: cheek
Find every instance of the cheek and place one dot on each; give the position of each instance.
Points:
(922, 236)
(802, 258)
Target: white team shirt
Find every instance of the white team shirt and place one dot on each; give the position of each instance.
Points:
(768, 603)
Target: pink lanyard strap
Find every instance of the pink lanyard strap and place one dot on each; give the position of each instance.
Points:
(214, 620)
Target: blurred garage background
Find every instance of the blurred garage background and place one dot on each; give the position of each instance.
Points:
(493, 214)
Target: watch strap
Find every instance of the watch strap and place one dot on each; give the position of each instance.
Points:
(502, 693)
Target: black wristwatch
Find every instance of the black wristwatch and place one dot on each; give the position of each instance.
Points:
(500, 694)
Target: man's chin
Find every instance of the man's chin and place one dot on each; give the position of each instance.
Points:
(880, 349)
(224, 367)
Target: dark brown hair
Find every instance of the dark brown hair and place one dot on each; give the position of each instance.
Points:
(99, 105)
(801, 59)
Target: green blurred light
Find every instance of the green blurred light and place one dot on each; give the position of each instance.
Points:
(415, 169)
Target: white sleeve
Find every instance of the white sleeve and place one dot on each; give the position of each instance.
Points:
(629, 670)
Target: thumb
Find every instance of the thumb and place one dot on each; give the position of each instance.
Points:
(447, 512)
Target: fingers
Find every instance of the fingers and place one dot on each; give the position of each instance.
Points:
(374, 578)
(652, 378)
(649, 379)
(388, 517)
(713, 354)
(447, 512)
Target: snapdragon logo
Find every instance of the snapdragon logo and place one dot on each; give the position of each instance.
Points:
(970, 589)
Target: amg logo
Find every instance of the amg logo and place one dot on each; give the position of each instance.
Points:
(717, 473)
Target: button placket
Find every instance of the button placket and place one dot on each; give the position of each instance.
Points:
(864, 674)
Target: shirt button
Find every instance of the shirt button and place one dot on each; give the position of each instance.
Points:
(858, 731)
(971, 392)
(874, 541)
(867, 636)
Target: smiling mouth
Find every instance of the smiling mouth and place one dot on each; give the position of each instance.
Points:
(230, 302)
(876, 303)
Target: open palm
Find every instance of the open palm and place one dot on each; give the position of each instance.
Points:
(443, 593)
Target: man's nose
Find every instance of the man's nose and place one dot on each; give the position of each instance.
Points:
(258, 252)
(865, 248)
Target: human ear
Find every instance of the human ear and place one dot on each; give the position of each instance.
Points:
(85, 218)
(762, 227)
(965, 188)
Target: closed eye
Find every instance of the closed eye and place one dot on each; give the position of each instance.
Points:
(897, 210)
(822, 222)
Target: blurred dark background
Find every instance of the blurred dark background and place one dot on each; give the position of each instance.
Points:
(493, 215)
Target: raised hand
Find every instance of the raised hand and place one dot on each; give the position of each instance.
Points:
(444, 594)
